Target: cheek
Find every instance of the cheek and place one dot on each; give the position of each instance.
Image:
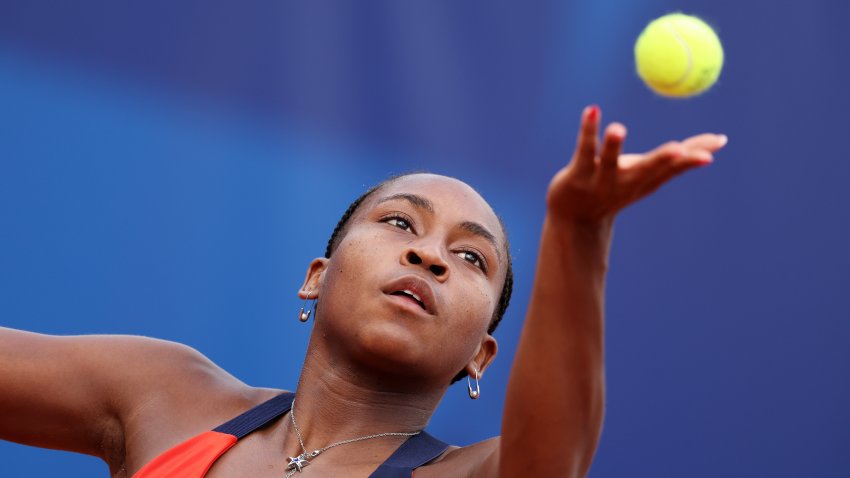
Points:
(472, 310)
(349, 273)
(476, 306)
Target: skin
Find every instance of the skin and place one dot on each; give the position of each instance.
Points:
(377, 362)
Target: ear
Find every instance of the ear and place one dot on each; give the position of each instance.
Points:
(313, 279)
(487, 350)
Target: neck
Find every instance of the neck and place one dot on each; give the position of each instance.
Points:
(337, 403)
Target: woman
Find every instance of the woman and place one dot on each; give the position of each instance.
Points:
(416, 277)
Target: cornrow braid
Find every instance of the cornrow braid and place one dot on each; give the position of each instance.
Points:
(504, 299)
(339, 230)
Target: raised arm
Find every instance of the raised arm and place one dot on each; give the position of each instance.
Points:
(77, 393)
(555, 400)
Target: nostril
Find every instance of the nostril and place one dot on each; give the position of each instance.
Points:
(413, 258)
(438, 270)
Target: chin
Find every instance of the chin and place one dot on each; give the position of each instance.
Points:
(391, 342)
(392, 345)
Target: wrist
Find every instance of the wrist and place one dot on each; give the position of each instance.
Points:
(584, 231)
(587, 244)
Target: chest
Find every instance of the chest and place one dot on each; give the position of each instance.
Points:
(259, 457)
(237, 468)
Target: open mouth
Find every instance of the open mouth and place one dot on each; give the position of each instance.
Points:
(414, 289)
(410, 295)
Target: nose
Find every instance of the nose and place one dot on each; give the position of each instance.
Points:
(428, 260)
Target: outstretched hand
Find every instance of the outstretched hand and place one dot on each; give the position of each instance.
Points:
(599, 181)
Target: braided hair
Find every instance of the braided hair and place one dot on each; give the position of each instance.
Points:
(504, 298)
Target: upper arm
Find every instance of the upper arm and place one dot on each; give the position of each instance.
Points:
(75, 393)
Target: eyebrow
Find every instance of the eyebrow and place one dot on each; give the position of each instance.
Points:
(479, 230)
(468, 226)
(418, 201)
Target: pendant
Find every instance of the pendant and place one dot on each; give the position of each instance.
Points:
(297, 463)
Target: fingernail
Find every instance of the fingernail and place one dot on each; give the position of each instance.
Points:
(617, 130)
(593, 113)
(723, 139)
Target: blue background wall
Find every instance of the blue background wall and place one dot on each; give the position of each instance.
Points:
(170, 168)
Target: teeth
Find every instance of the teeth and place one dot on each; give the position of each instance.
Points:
(412, 295)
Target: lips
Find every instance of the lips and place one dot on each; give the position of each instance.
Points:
(414, 289)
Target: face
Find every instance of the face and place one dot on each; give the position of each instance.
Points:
(413, 284)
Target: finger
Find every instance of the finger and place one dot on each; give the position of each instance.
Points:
(673, 151)
(676, 157)
(662, 177)
(627, 161)
(586, 143)
(708, 142)
(669, 157)
(612, 146)
(670, 161)
(666, 153)
(663, 156)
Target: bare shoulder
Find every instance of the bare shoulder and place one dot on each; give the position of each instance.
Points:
(151, 380)
(149, 365)
(174, 392)
(170, 380)
(131, 370)
(476, 460)
(108, 395)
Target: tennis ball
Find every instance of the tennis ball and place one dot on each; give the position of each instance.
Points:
(678, 55)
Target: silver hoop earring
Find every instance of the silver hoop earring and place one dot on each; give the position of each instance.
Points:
(473, 394)
(303, 315)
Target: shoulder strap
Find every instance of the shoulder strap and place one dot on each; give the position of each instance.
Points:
(258, 416)
(413, 453)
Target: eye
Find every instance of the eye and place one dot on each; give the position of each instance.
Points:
(473, 258)
(400, 222)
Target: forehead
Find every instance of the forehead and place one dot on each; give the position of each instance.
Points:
(453, 200)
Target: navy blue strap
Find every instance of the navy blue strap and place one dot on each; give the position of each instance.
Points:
(413, 453)
(258, 416)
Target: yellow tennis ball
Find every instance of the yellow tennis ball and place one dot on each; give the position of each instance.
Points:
(678, 55)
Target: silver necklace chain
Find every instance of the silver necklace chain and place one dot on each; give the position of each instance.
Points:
(297, 463)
